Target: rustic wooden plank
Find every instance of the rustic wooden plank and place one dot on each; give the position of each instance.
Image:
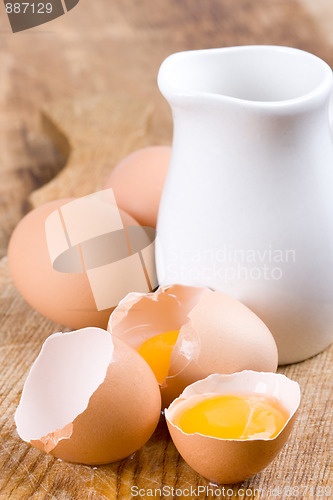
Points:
(94, 135)
(107, 47)
(26, 473)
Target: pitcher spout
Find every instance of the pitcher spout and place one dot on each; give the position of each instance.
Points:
(252, 76)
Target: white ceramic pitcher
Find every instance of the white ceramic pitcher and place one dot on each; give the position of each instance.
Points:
(248, 202)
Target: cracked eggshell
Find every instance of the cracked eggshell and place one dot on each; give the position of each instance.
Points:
(218, 334)
(221, 336)
(230, 460)
(88, 398)
(141, 316)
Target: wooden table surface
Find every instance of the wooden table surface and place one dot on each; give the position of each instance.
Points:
(97, 66)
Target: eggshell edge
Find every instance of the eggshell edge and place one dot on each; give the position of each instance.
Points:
(230, 461)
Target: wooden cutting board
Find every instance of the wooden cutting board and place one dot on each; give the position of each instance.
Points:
(75, 97)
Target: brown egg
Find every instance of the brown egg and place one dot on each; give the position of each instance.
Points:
(217, 334)
(138, 180)
(88, 398)
(232, 460)
(72, 278)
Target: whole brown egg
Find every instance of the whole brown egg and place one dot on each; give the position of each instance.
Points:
(75, 298)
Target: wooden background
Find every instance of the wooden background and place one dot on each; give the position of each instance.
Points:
(76, 95)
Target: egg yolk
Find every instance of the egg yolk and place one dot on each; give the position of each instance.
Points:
(157, 353)
(234, 417)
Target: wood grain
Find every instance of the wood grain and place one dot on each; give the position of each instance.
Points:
(106, 47)
(26, 473)
(100, 51)
(94, 135)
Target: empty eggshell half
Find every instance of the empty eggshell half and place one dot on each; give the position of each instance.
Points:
(217, 333)
(232, 460)
(88, 398)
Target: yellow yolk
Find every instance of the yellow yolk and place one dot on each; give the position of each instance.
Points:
(234, 417)
(157, 353)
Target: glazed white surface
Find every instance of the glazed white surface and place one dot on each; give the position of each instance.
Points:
(252, 171)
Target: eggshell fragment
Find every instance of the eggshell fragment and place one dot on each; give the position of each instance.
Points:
(231, 460)
(138, 180)
(217, 333)
(88, 398)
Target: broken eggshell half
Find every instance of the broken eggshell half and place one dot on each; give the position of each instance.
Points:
(217, 333)
(232, 460)
(89, 398)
